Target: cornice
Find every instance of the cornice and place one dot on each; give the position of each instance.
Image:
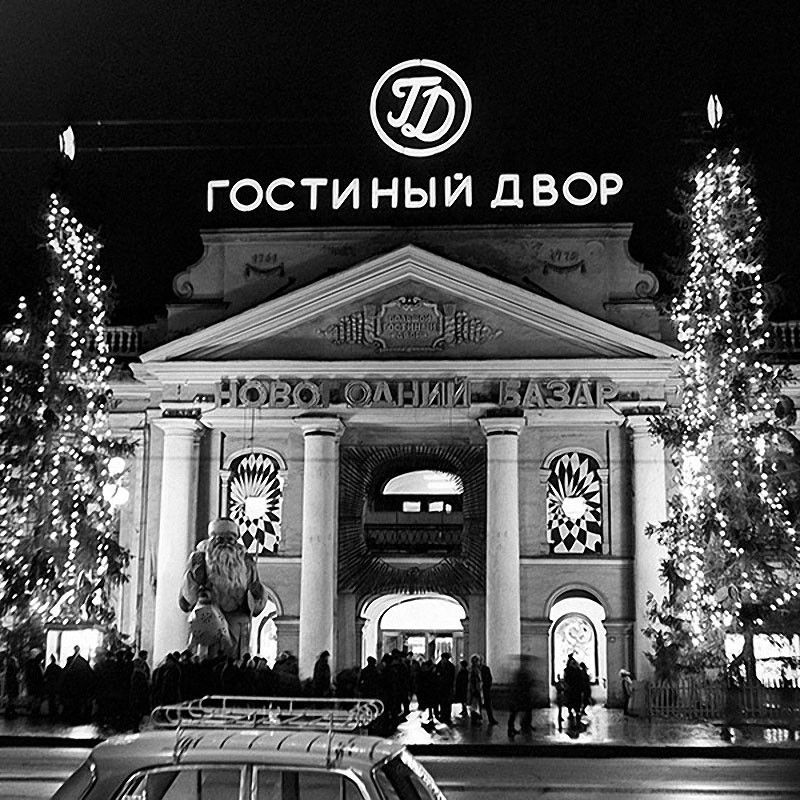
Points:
(622, 370)
(410, 263)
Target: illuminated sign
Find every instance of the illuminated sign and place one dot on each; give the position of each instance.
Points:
(411, 393)
(540, 190)
(420, 107)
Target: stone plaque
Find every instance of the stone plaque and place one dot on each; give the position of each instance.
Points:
(409, 323)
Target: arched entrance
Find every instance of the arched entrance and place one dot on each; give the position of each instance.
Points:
(425, 624)
(577, 627)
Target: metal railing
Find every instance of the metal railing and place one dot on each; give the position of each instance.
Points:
(692, 698)
(413, 538)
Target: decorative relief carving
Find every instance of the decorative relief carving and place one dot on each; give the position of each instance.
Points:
(549, 257)
(410, 323)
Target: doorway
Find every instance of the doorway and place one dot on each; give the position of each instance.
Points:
(425, 624)
(577, 628)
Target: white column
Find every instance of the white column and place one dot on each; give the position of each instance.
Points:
(176, 534)
(320, 506)
(649, 507)
(503, 640)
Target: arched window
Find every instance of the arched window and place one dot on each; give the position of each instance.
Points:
(420, 491)
(255, 500)
(574, 505)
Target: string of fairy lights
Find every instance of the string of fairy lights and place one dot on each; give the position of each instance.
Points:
(57, 501)
(730, 533)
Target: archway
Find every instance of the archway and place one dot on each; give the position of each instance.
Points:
(425, 624)
(577, 627)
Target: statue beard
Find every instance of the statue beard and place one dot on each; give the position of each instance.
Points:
(227, 573)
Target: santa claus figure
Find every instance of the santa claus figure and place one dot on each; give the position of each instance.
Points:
(222, 591)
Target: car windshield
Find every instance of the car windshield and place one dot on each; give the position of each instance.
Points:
(404, 778)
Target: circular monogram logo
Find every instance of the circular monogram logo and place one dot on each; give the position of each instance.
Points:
(420, 107)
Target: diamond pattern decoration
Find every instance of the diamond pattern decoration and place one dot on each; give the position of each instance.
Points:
(574, 475)
(255, 502)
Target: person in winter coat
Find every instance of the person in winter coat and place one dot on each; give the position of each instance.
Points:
(586, 688)
(445, 681)
(321, 681)
(11, 684)
(426, 691)
(573, 681)
(560, 699)
(521, 697)
(369, 681)
(462, 681)
(52, 686)
(627, 690)
(34, 682)
(475, 690)
(139, 693)
(487, 680)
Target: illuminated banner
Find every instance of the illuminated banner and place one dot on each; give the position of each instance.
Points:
(411, 393)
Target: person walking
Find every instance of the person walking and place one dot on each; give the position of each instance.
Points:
(521, 698)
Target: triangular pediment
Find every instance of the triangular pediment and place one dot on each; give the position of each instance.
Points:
(409, 304)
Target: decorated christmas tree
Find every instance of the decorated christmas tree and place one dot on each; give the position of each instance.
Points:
(733, 552)
(59, 466)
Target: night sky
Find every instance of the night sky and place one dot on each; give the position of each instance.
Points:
(192, 91)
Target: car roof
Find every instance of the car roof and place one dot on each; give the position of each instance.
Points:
(273, 746)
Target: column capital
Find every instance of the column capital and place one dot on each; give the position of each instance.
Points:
(639, 424)
(501, 426)
(178, 425)
(314, 425)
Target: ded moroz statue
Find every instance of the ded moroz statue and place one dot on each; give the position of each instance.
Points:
(222, 590)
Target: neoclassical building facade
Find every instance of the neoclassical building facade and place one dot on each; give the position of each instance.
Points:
(434, 438)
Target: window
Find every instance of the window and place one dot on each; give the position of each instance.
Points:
(255, 501)
(304, 785)
(421, 491)
(574, 505)
(186, 783)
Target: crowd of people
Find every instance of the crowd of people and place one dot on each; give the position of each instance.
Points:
(573, 691)
(120, 689)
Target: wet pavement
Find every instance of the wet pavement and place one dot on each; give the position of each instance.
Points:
(600, 726)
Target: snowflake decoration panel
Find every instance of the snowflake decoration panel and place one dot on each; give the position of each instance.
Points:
(256, 484)
(574, 478)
